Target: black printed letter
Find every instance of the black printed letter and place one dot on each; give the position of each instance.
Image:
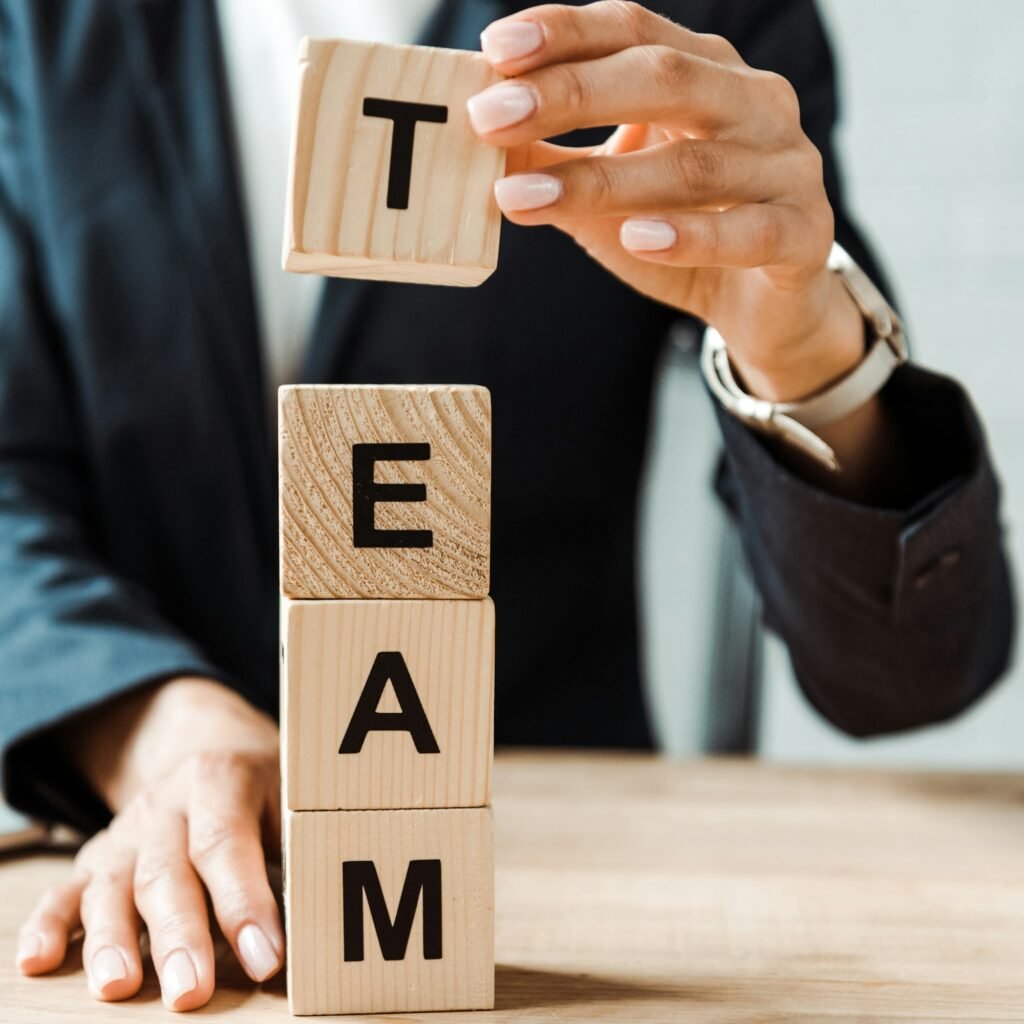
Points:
(359, 876)
(404, 117)
(389, 665)
(366, 493)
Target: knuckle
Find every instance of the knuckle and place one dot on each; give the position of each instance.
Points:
(48, 920)
(205, 764)
(719, 47)
(671, 69)
(174, 928)
(100, 902)
(711, 239)
(205, 767)
(239, 904)
(153, 870)
(51, 897)
(822, 227)
(767, 234)
(572, 87)
(601, 183)
(102, 879)
(782, 95)
(144, 807)
(563, 22)
(632, 18)
(699, 167)
(213, 837)
(87, 854)
(815, 162)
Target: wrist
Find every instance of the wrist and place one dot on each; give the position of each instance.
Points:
(812, 359)
(129, 743)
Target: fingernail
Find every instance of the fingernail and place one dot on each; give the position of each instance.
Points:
(511, 40)
(501, 106)
(527, 191)
(647, 235)
(106, 966)
(178, 977)
(258, 955)
(29, 947)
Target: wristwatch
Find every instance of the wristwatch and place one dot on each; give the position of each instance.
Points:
(795, 422)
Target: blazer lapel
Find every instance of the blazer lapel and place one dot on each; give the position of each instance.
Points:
(173, 47)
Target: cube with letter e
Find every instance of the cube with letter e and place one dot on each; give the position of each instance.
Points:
(385, 491)
(388, 179)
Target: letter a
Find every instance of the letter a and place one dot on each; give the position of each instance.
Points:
(389, 666)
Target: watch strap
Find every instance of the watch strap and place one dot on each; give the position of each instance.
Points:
(796, 421)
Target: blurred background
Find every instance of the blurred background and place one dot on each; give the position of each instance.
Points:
(932, 141)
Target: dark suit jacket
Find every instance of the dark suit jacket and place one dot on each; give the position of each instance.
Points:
(137, 481)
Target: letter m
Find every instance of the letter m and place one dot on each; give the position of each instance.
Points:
(359, 877)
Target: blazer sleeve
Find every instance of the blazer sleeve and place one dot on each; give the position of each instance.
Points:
(72, 633)
(893, 617)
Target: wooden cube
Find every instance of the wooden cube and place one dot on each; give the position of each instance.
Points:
(385, 492)
(388, 179)
(387, 704)
(389, 911)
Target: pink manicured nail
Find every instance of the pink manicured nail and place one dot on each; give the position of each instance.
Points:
(178, 977)
(511, 40)
(107, 965)
(258, 955)
(527, 191)
(501, 106)
(647, 235)
(29, 947)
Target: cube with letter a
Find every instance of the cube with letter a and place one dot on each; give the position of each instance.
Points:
(388, 179)
(387, 704)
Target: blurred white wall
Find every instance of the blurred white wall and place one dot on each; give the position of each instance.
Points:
(932, 142)
(933, 145)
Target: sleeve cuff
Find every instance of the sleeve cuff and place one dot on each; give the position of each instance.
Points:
(881, 550)
(35, 776)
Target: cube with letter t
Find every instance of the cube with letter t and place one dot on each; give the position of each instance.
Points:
(388, 179)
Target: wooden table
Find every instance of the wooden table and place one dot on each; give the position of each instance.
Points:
(638, 889)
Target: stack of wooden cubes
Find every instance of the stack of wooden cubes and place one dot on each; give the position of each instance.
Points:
(387, 690)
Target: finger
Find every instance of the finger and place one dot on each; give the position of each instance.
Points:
(110, 952)
(681, 175)
(627, 138)
(646, 83)
(43, 938)
(226, 847)
(554, 33)
(170, 899)
(755, 235)
(271, 823)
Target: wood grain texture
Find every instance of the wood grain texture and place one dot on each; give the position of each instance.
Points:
(320, 979)
(337, 220)
(641, 890)
(318, 426)
(329, 650)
